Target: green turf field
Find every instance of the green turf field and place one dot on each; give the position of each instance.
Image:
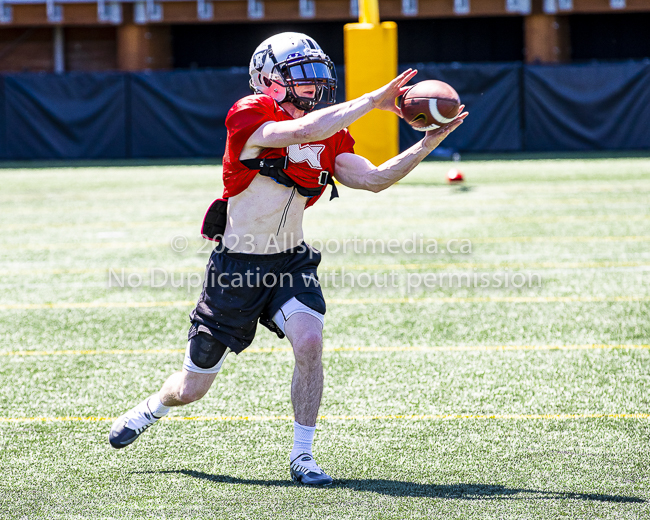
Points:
(445, 401)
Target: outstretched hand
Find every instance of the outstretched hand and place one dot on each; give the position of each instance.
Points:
(384, 98)
(434, 137)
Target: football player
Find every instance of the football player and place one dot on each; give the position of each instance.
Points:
(280, 156)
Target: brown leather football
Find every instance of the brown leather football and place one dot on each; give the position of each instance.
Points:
(430, 105)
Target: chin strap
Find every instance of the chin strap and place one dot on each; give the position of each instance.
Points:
(306, 106)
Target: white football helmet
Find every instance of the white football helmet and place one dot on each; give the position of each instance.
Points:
(287, 60)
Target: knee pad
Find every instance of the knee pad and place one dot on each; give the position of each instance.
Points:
(312, 300)
(206, 351)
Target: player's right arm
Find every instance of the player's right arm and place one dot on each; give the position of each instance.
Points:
(321, 124)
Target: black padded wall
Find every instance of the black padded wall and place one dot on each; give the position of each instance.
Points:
(182, 113)
(602, 106)
(80, 115)
(3, 119)
(491, 94)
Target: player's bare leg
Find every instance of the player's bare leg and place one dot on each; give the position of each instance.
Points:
(181, 388)
(306, 336)
(305, 333)
(185, 387)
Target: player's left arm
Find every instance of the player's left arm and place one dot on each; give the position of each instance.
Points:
(355, 171)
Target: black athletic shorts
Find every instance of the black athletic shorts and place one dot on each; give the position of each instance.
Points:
(239, 289)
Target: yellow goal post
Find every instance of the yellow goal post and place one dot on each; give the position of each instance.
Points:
(370, 62)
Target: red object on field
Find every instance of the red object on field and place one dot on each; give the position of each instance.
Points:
(454, 176)
(430, 105)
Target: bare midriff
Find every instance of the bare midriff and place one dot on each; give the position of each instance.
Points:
(266, 218)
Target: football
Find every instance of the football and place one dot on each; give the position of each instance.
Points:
(429, 105)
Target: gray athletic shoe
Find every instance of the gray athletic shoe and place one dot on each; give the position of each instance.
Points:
(305, 470)
(127, 428)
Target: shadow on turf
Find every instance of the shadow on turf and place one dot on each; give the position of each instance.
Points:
(411, 489)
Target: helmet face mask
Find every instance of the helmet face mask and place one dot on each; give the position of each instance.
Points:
(316, 72)
(290, 60)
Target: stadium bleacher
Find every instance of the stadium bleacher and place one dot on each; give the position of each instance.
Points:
(62, 35)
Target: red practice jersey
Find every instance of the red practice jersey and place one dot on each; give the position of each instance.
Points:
(306, 161)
